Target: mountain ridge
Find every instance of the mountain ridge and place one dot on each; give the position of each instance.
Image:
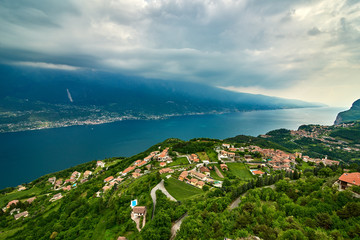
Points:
(33, 98)
(353, 114)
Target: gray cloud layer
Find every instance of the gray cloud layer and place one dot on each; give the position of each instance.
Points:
(236, 44)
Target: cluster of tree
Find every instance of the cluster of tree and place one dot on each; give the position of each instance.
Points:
(261, 142)
(81, 215)
(304, 209)
(166, 212)
(193, 146)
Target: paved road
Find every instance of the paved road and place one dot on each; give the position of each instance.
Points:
(162, 188)
(237, 201)
(176, 226)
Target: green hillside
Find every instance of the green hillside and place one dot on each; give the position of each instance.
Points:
(353, 114)
(297, 204)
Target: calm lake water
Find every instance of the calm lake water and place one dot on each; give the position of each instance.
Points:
(26, 156)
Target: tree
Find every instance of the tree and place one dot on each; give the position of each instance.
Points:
(205, 188)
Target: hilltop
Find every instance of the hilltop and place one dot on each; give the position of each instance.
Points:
(353, 114)
(204, 188)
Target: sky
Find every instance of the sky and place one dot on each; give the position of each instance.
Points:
(301, 49)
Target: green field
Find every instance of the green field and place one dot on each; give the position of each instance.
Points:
(179, 161)
(180, 190)
(203, 156)
(4, 199)
(213, 173)
(240, 170)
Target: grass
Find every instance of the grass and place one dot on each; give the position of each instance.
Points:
(305, 165)
(6, 234)
(203, 156)
(4, 199)
(179, 161)
(180, 190)
(240, 170)
(212, 155)
(213, 173)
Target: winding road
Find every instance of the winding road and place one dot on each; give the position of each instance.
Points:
(237, 201)
(162, 188)
(176, 226)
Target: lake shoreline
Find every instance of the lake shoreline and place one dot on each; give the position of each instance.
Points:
(89, 122)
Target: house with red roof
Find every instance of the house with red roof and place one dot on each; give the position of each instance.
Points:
(127, 170)
(349, 179)
(108, 179)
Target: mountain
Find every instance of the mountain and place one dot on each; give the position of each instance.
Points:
(353, 114)
(40, 98)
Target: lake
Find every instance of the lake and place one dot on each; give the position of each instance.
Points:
(28, 155)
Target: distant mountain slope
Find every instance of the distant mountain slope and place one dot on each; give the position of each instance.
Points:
(45, 95)
(353, 114)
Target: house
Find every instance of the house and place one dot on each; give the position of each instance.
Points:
(137, 170)
(56, 197)
(136, 175)
(194, 158)
(127, 170)
(100, 164)
(183, 175)
(108, 179)
(23, 214)
(328, 162)
(142, 163)
(349, 179)
(162, 164)
(30, 200)
(198, 175)
(52, 180)
(231, 155)
(58, 182)
(200, 184)
(139, 211)
(13, 202)
(226, 145)
(258, 172)
(75, 175)
(224, 167)
(148, 167)
(166, 170)
(21, 188)
(137, 162)
(105, 188)
(68, 188)
(87, 173)
(163, 156)
(71, 180)
(205, 171)
(194, 181)
(121, 238)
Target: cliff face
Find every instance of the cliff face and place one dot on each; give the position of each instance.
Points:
(353, 114)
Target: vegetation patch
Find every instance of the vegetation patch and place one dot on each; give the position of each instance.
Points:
(180, 190)
(240, 170)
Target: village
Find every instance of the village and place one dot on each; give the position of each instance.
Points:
(196, 172)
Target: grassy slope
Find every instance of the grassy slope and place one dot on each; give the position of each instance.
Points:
(240, 170)
(181, 190)
(19, 195)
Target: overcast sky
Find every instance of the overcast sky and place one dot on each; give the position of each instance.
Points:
(303, 49)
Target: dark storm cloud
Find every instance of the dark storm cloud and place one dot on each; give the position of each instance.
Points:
(248, 43)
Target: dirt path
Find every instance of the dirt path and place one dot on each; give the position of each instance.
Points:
(218, 172)
(176, 226)
(162, 188)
